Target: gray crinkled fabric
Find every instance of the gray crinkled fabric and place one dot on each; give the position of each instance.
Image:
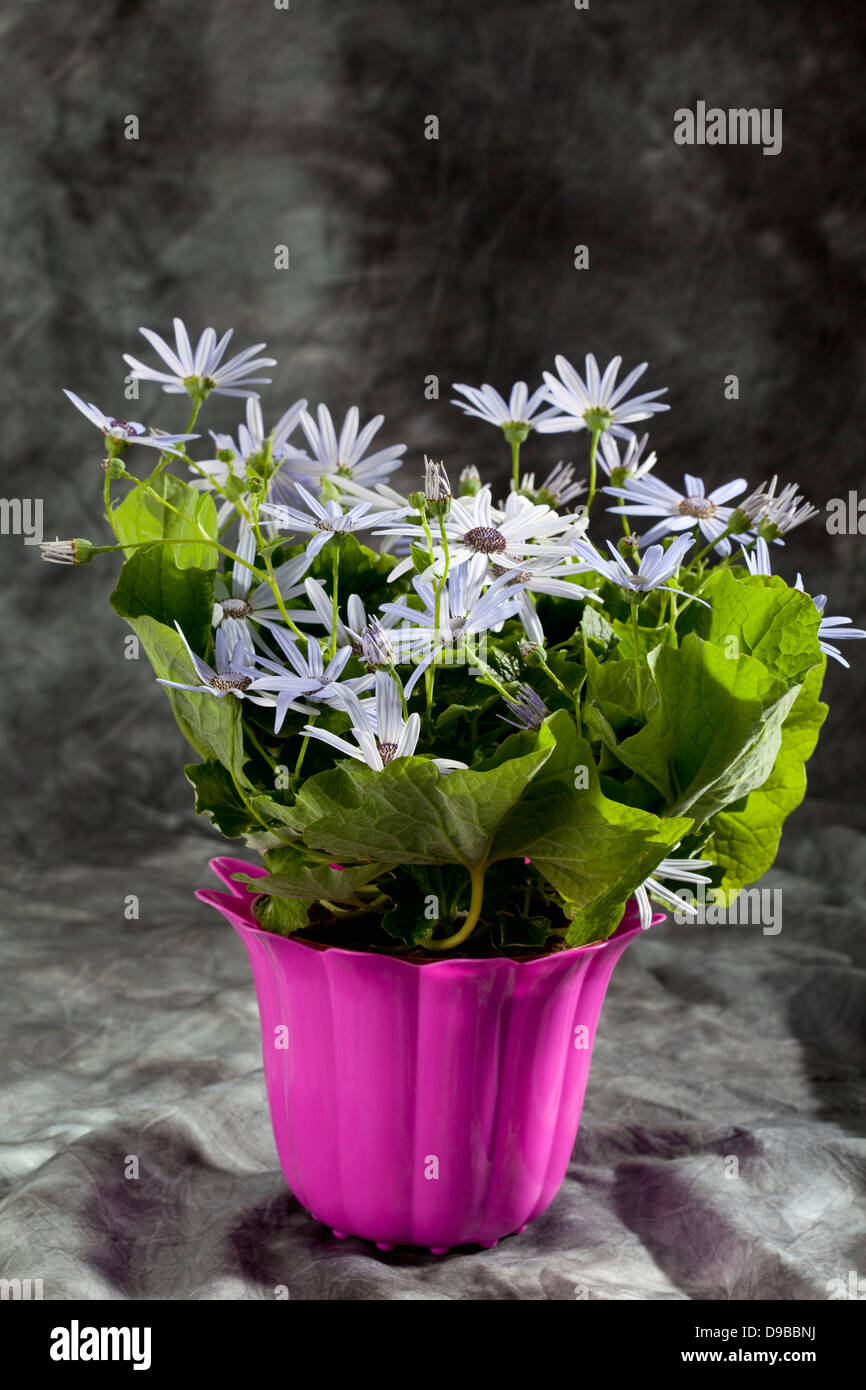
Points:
(140, 1038)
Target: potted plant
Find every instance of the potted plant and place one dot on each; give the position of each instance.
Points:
(472, 748)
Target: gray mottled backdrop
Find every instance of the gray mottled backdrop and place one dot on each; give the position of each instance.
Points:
(408, 257)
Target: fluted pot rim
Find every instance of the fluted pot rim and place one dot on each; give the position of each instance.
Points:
(237, 903)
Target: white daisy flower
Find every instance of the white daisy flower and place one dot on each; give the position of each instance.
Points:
(657, 565)
(464, 611)
(232, 676)
(595, 403)
(520, 410)
(783, 513)
(831, 630)
(201, 371)
(382, 734)
(757, 558)
(558, 488)
(631, 462)
(381, 497)
(120, 433)
(248, 449)
(683, 871)
(647, 497)
(326, 520)
(347, 455)
(552, 580)
(242, 607)
(508, 538)
(350, 633)
(312, 679)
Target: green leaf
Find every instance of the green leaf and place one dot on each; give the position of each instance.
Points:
(612, 690)
(597, 631)
(409, 813)
(281, 915)
(150, 584)
(142, 518)
(715, 732)
(765, 618)
(745, 837)
(523, 931)
(291, 875)
(594, 851)
(216, 796)
(407, 918)
(420, 559)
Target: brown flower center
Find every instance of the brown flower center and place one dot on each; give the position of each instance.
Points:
(485, 539)
(235, 608)
(700, 507)
(386, 752)
(229, 682)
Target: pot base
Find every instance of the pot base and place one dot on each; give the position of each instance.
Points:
(434, 1249)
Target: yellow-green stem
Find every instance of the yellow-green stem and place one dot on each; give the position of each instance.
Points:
(335, 584)
(592, 468)
(476, 874)
(438, 588)
(299, 763)
(475, 660)
(164, 458)
(637, 671)
(515, 464)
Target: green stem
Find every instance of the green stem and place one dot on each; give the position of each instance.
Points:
(399, 684)
(573, 699)
(164, 458)
(242, 794)
(109, 515)
(476, 874)
(672, 619)
(352, 912)
(169, 506)
(273, 585)
(438, 589)
(701, 556)
(272, 763)
(335, 585)
(592, 468)
(181, 540)
(636, 629)
(475, 660)
(515, 464)
(299, 763)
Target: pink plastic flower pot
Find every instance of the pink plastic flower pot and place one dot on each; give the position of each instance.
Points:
(422, 1104)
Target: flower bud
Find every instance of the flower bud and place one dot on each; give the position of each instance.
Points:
(470, 481)
(73, 552)
(437, 489)
(628, 546)
(532, 654)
